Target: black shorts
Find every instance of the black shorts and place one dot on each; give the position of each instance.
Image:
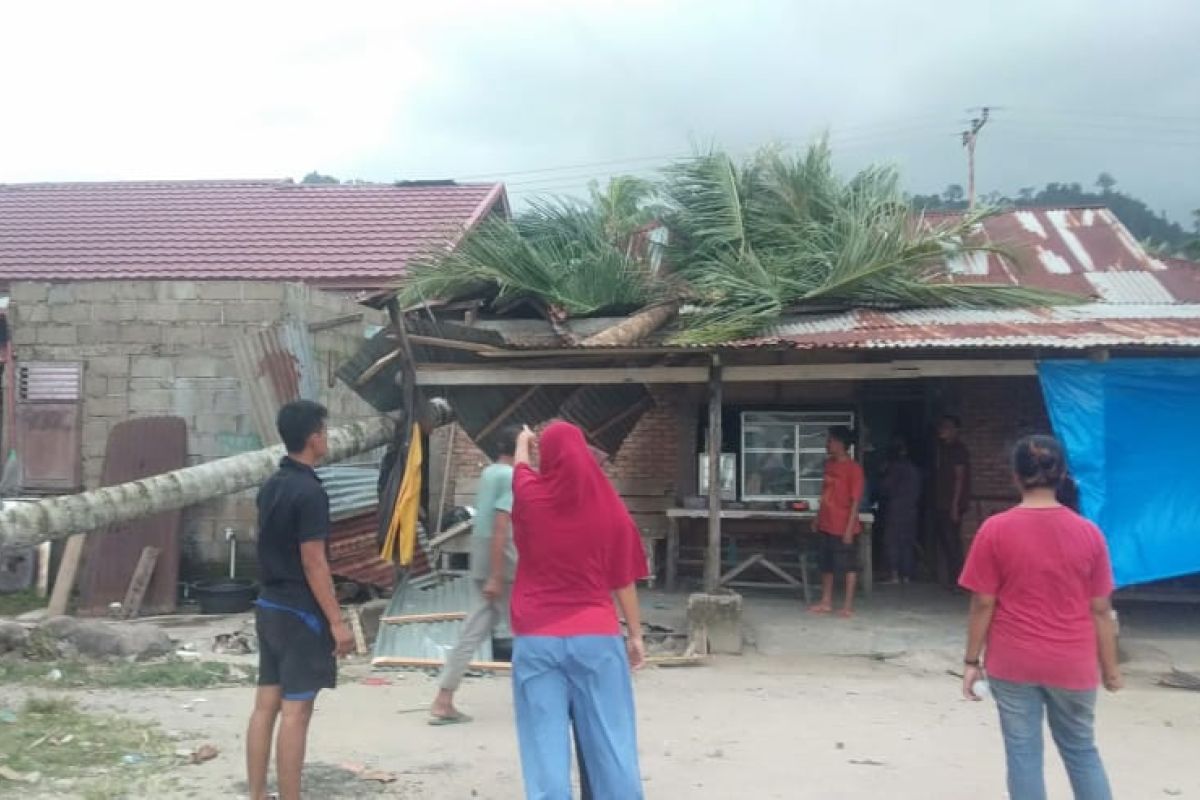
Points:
(294, 654)
(834, 555)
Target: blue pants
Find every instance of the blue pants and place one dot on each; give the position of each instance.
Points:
(1071, 715)
(585, 678)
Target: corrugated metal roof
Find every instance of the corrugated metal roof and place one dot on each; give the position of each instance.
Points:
(351, 490)
(430, 639)
(1130, 287)
(1065, 249)
(351, 235)
(1064, 327)
(276, 366)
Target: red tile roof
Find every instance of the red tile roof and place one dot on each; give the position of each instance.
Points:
(356, 236)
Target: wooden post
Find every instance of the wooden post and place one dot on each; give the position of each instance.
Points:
(712, 559)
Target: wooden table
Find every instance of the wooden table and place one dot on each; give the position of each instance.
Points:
(787, 581)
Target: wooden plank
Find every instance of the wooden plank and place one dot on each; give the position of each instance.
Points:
(68, 570)
(451, 533)
(442, 616)
(131, 606)
(747, 514)
(373, 370)
(507, 412)
(44, 551)
(712, 566)
(336, 322)
(472, 375)
(672, 554)
(453, 344)
(437, 663)
(356, 627)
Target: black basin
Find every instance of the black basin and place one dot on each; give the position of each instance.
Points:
(227, 596)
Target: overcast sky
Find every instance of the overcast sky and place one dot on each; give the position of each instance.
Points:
(549, 94)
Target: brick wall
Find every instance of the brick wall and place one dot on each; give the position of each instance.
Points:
(996, 412)
(644, 469)
(164, 347)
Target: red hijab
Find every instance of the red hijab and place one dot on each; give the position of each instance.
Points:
(576, 540)
(572, 482)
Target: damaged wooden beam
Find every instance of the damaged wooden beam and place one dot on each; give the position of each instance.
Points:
(474, 375)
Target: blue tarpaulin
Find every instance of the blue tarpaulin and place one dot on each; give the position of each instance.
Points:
(1132, 433)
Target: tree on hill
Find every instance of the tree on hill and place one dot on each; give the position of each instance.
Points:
(315, 177)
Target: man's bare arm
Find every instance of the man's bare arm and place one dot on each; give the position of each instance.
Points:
(320, 581)
(501, 531)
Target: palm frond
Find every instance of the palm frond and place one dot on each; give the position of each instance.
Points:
(810, 239)
(557, 254)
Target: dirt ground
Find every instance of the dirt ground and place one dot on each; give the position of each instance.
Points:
(742, 727)
(823, 709)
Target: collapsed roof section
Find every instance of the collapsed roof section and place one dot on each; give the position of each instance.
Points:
(606, 413)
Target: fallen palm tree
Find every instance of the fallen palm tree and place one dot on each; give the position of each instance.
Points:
(29, 524)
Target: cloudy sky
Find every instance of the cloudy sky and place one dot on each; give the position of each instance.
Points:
(548, 94)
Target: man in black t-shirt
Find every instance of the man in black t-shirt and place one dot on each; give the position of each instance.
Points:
(951, 495)
(300, 626)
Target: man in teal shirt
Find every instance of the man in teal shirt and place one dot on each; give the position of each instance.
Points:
(493, 565)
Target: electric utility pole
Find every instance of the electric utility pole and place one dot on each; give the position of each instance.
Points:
(968, 139)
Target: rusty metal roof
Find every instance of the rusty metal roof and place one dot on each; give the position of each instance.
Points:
(1064, 327)
(1073, 249)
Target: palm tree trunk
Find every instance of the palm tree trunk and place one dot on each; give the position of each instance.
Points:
(28, 524)
(634, 329)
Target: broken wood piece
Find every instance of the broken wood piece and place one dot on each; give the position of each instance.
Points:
(441, 616)
(373, 370)
(356, 626)
(140, 581)
(452, 532)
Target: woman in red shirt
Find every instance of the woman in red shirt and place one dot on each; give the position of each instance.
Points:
(1041, 585)
(577, 549)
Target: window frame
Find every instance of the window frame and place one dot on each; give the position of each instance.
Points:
(819, 418)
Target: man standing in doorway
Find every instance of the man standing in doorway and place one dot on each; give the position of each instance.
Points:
(838, 523)
(299, 623)
(951, 495)
(493, 565)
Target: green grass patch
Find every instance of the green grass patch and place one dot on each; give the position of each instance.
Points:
(102, 756)
(75, 674)
(15, 603)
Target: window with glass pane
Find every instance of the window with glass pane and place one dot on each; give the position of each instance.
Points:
(783, 452)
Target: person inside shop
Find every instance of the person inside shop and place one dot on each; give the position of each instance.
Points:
(900, 494)
(951, 494)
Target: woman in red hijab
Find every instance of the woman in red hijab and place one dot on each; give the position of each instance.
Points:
(578, 549)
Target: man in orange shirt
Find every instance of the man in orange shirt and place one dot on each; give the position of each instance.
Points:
(838, 522)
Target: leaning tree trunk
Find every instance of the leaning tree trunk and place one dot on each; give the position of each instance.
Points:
(634, 329)
(28, 524)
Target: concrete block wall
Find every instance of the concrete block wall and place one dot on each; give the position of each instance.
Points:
(151, 348)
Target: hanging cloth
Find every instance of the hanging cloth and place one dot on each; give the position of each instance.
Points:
(401, 540)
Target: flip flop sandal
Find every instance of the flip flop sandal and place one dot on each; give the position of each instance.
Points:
(457, 718)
